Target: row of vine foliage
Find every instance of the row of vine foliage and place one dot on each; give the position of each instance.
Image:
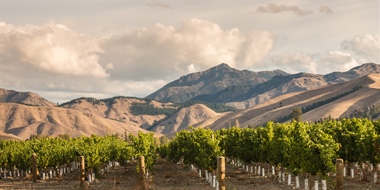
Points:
(58, 151)
(301, 147)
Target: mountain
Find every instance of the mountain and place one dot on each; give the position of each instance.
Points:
(86, 116)
(353, 73)
(27, 98)
(334, 100)
(33, 115)
(210, 81)
(257, 88)
(120, 109)
(266, 96)
(24, 121)
(194, 116)
(278, 85)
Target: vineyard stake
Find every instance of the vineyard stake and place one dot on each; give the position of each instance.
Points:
(142, 173)
(34, 168)
(221, 173)
(339, 174)
(82, 171)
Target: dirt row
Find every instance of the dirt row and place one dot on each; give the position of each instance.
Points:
(165, 176)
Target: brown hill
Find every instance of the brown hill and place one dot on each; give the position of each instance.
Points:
(337, 100)
(281, 85)
(24, 121)
(28, 98)
(6, 136)
(197, 115)
(119, 109)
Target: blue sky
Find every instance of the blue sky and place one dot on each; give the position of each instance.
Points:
(68, 49)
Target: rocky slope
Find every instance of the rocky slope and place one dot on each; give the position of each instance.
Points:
(256, 89)
(210, 81)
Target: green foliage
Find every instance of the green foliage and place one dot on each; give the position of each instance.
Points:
(198, 147)
(144, 145)
(301, 147)
(296, 114)
(54, 152)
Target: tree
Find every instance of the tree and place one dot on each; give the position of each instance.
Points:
(296, 114)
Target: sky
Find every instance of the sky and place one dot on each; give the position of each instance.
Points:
(91, 48)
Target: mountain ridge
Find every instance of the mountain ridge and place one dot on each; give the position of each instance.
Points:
(85, 116)
(206, 82)
(247, 94)
(28, 98)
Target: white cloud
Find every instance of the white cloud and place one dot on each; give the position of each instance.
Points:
(52, 48)
(366, 46)
(54, 58)
(162, 51)
(294, 62)
(337, 61)
(314, 63)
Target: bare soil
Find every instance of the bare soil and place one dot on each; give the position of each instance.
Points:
(168, 176)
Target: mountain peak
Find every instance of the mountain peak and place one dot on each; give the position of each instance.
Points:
(366, 68)
(222, 65)
(210, 81)
(28, 98)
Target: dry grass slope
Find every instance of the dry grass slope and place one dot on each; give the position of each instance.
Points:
(197, 115)
(24, 121)
(280, 106)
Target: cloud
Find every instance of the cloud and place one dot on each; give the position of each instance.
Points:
(325, 10)
(54, 58)
(365, 46)
(163, 51)
(159, 4)
(275, 8)
(337, 61)
(294, 62)
(52, 48)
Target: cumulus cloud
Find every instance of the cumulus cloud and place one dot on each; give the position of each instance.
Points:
(160, 51)
(294, 62)
(337, 61)
(366, 46)
(314, 63)
(55, 58)
(275, 8)
(52, 48)
(159, 4)
(325, 10)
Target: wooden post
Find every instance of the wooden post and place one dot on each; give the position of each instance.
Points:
(144, 184)
(82, 171)
(339, 174)
(34, 168)
(221, 172)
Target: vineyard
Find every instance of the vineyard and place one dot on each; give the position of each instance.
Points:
(296, 153)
